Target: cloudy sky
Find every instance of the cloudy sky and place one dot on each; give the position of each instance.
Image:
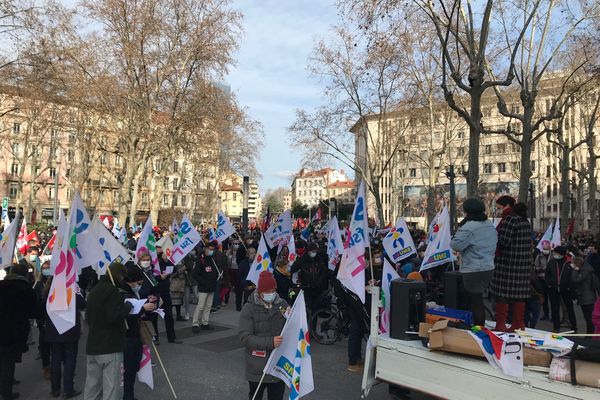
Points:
(271, 78)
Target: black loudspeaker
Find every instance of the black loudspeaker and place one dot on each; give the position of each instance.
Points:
(454, 291)
(407, 309)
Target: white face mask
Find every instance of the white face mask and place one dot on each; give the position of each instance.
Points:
(545, 252)
(145, 264)
(33, 257)
(377, 260)
(557, 256)
(269, 297)
(312, 254)
(136, 289)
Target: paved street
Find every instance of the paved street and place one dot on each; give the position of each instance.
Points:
(209, 366)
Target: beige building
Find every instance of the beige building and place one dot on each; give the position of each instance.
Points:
(426, 154)
(48, 153)
(232, 198)
(287, 201)
(232, 203)
(310, 187)
(344, 192)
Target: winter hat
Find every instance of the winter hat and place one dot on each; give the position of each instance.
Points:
(560, 250)
(266, 282)
(134, 274)
(473, 206)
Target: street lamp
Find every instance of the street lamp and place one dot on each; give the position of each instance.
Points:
(451, 176)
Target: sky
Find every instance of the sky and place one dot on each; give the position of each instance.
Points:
(271, 78)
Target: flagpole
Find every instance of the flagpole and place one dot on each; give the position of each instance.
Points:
(241, 241)
(258, 387)
(160, 361)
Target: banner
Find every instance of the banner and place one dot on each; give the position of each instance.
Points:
(166, 243)
(389, 274)
(7, 244)
(335, 246)
(352, 266)
(111, 249)
(187, 238)
(116, 230)
(224, 229)
(504, 351)
(59, 235)
(147, 244)
(144, 374)
(438, 249)
(280, 230)
(291, 361)
(262, 262)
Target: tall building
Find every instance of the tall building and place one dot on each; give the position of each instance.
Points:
(254, 202)
(232, 197)
(310, 187)
(417, 171)
(51, 149)
(287, 200)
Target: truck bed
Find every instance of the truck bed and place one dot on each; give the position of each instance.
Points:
(452, 376)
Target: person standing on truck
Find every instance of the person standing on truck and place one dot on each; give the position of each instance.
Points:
(511, 281)
(476, 240)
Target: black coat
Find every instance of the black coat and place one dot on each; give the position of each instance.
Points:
(18, 304)
(243, 269)
(312, 272)
(555, 269)
(205, 273)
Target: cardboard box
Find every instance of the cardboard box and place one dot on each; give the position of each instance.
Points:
(587, 373)
(443, 338)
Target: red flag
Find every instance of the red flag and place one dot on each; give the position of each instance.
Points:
(570, 228)
(22, 238)
(50, 244)
(33, 236)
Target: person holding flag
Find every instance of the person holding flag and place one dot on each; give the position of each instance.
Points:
(261, 322)
(206, 273)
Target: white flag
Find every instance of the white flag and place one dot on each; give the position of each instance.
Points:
(438, 250)
(280, 230)
(335, 245)
(116, 231)
(389, 274)
(546, 238)
(166, 243)
(352, 267)
(187, 238)
(224, 228)
(556, 240)
(291, 361)
(61, 234)
(106, 223)
(174, 226)
(112, 250)
(123, 236)
(78, 249)
(7, 243)
(398, 243)
(262, 262)
(144, 374)
(147, 244)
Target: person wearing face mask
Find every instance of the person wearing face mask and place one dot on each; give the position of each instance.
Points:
(31, 260)
(540, 265)
(312, 274)
(163, 278)
(558, 281)
(232, 271)
(244, 268)
(261, 322)
(206, 273)
(130, 289)
(283, 274)
(106, 341)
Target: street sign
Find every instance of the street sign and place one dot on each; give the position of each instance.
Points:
(5, 203)
(4, 212)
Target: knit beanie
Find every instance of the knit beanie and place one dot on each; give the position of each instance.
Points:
(134, 274)
(266, 282)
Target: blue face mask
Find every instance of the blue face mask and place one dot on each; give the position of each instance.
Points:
(269, 297)
(47, 272)
(136, 289)
(210, 253)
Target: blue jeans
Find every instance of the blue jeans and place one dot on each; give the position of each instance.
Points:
(63, 361)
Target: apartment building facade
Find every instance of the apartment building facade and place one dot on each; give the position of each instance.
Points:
(310, 187)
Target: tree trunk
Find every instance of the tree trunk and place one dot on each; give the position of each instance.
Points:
(565, 196)
(378, 203)
(592, 188)
(430, 202)
(526, 145)
(135, 195)
(157, 194)
(125, 189)
(474, 137)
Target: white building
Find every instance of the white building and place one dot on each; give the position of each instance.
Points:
(310, 187)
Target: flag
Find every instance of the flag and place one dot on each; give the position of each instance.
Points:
(78, 250)
(116, 230)
(187, 238)
(32, 236)
(112, 249)
(147, 244)
(556, 240)
(262, 262)
(106, 222)
(144, 374)
(267, 221)
(166, 243)
(431, 232)
(224, 229)
(59, 235)
(438, 249)
(174, 226)
(123, 236)
(291, 244)
(389, 274)
(291, 361)
(503, 351)
(546, 239)
(280, 230)
(7, 243)
(50, 245)
(305, 234)
(335, 246)
(398, 243)
(317, 216)
(352, 266)
(22, 238)
(570, 228)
